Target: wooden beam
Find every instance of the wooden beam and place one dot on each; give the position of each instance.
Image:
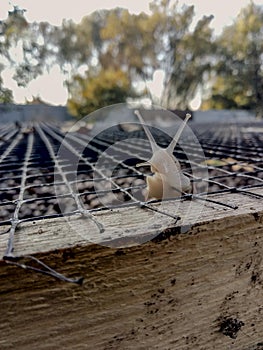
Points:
(198, 285)
(127, 226)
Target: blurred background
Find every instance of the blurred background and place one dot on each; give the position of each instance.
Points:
(183, 55)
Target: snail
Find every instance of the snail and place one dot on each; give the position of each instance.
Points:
(167, 180)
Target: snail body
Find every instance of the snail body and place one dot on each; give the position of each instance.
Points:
(167, 180)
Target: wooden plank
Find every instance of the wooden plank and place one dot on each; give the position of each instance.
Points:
(125, 226)
(199, 289)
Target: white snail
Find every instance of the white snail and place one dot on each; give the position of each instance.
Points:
(167, 180)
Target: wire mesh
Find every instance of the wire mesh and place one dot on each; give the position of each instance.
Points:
(30, 171)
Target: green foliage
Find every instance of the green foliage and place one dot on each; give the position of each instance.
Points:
(6, 95)
(12, 29)
(187, 54)
(116, 40)
(128, 43)
(10, 33)
(30, 43)
(120, 50)
(95, 91)
(238, 81)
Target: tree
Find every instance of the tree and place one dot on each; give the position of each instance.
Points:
(31, 43)
(6, 95)
(121, 55)
(78, 44)
(97, 90)
(128, 42)
(141, 44)
(238, 78)
(184, 54)
(115, 41)
(10, 30)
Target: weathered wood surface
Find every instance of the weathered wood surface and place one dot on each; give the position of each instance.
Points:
(191, 290)
(127, 226)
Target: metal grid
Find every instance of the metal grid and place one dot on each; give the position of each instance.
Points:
(29, 165)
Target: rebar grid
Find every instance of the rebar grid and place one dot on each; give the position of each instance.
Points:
(30, 171)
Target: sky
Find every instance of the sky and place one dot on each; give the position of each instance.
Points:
(50, 86)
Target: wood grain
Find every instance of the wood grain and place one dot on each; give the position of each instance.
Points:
(195, 288)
